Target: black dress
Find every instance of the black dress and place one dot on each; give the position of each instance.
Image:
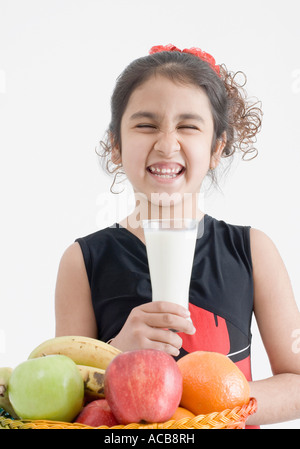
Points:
(221, 290)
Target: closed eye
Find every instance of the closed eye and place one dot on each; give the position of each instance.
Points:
(153, 126)
(188, 127)
(146, 125)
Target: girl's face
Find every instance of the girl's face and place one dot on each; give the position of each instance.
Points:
(166, 135)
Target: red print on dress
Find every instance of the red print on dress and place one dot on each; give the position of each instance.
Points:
(211, 333)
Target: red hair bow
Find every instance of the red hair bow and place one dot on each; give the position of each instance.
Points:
(194, 51)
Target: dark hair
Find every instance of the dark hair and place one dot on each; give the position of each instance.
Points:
(231, 110)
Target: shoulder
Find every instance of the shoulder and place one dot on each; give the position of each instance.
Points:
(99, 237)
(262, 246)
(100, 234)
(271, 279)
(225, 226)
(260, 237)
(269, 269)
(77, 255)
(233, 235)
(72, 258)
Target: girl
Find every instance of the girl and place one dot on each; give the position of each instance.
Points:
(175, 114)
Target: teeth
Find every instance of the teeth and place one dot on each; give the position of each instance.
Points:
(156, 170)
(165, 176)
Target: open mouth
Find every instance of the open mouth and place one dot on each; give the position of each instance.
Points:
(166, 172)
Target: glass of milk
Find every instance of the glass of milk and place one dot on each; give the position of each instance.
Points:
(170, 245)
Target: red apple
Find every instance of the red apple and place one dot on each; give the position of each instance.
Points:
(97, 413)
(143, 385)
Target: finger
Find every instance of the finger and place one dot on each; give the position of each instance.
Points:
(161, 346)
(164, 336)
(165, 307)
(169, 321)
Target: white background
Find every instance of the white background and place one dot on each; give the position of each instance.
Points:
(58, 63)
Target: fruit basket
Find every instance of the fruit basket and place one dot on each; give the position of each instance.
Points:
(228, 419)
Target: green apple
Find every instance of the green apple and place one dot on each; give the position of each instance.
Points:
(49, 387)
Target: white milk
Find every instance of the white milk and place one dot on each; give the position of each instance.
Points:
(170, 256)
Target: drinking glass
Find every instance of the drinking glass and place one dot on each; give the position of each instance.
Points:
(170, 245)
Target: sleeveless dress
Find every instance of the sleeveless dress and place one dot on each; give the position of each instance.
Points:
(221, 289)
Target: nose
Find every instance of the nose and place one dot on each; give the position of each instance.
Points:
(167, 144)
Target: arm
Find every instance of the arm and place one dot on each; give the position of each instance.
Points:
(277, 317)
(74, 312)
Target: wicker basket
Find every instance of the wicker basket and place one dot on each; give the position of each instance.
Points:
(227, 419)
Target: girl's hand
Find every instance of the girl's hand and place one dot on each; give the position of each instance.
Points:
(148, 327)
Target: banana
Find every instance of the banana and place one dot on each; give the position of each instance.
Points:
(5, 374)
(82, 350)
(93, 379)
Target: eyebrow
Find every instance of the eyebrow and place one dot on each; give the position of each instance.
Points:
(153, 116)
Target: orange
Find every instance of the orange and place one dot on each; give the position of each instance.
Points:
(211, 383)
(181, 412)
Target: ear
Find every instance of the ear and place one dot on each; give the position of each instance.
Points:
(218, 150)
(116, 156)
